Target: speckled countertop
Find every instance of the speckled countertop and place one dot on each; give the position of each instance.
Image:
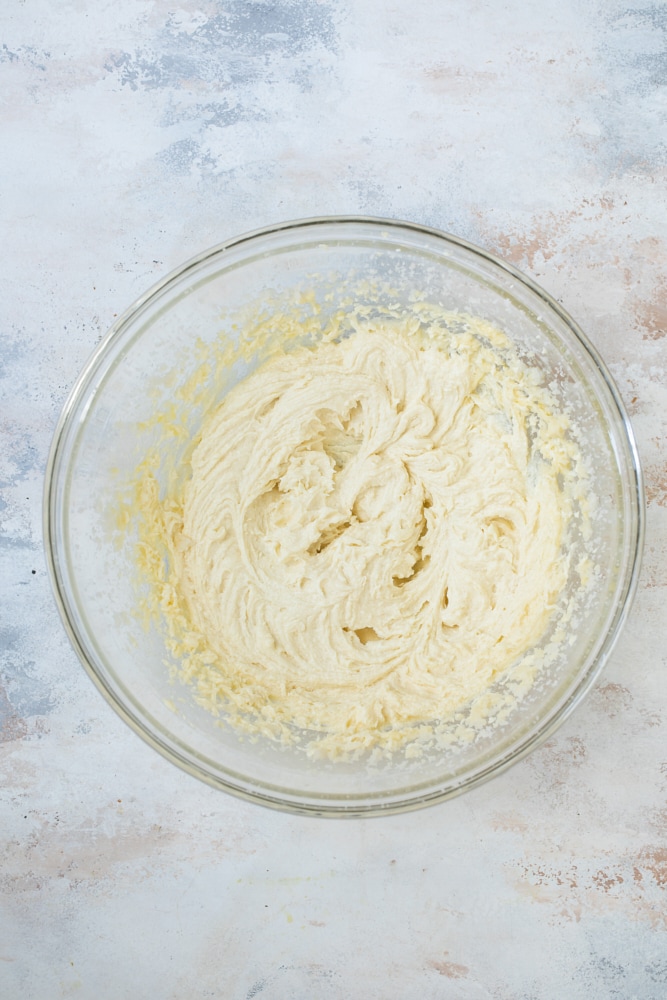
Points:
(138, 132)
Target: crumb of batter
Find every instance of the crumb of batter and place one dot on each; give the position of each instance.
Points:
(368, 533)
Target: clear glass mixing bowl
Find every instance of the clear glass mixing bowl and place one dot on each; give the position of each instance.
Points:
(106, 426)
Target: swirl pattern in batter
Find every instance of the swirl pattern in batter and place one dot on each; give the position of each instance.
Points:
(371, 533)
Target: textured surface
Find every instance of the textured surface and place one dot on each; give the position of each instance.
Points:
(138, 132)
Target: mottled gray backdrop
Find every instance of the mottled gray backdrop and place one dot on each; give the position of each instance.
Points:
(135, 133)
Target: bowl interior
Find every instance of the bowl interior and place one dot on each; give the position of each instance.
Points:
(108, 427)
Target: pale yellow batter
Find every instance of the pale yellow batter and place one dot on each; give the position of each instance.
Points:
(371, 532)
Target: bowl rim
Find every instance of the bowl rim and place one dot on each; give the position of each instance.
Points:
(337, 805)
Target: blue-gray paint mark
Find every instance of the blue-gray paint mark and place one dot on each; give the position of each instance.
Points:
(12, 350)
(27, 54)
(9, 638)
(21, 456)
(265, 26)
(12, 543)
(211, 114)
(654, 15)
(25, 695)
(229, 48)
(24, 691)
(621, 962)
(181, 156)
(613, 973)
(242, 43)
(303, 78)
(371, 195)
(256, 989)
(150, 70)
(6, 55)
(657, 971)
(292, 978)
(648, 67)
(633, 47)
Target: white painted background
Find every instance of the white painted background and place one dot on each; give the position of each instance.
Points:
(135, 133)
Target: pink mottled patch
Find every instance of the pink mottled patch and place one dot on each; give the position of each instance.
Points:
(654, 860)
(612, 699)
(656, 484)
(12, 726)
(452, 970)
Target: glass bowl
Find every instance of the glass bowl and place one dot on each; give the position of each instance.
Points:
(159, 343)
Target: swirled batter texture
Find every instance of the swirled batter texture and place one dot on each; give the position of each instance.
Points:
(371, 532)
